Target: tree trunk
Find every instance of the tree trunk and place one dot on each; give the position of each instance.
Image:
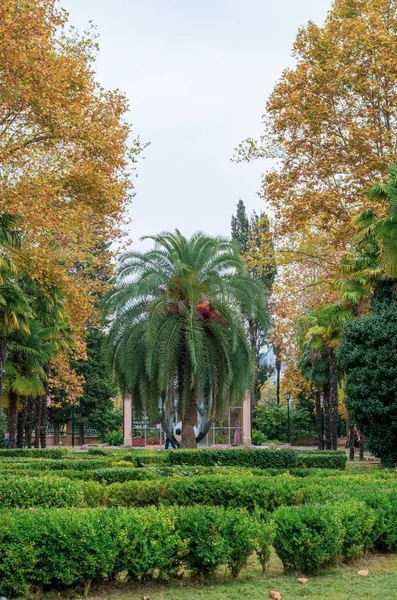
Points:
(351, 441)
(56, 433)
(333, 402)
(327, 419)
(28, 422)
(319, 421)
(37, 422)
(81, 434)
(21, 426)
(278, 377)
(189, 420)
(12, 418)
(361, 447)
(43, 420)
(3, 356)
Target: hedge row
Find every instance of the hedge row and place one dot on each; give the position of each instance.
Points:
(55, 465)
(248, 491)
(61, 548)
(251, 458)
(68, 547)
(254, 458)
(35, 452)
(312, 536)
(25, 492)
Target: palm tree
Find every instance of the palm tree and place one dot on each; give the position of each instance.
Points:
(15, 309)
(314, 365)
(25, 376)
(177, 326)
(324, 327)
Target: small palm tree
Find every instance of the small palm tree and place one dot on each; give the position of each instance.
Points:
(177, 326)
(322, 335)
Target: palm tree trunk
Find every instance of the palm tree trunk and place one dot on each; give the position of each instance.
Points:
(28, 422)
(319, 421)
(21, 427)
(333, 402)
(327, 419)
(43, 421)
(3, 356)
(12, 418)
(189, 420)
(37, 421)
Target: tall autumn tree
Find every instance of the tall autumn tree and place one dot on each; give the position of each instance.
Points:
(330, 126)
(65, 150)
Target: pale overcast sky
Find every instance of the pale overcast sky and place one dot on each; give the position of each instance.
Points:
(197, 76)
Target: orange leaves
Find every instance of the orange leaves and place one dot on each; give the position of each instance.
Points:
(65, 159)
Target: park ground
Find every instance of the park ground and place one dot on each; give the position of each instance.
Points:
(336, 583)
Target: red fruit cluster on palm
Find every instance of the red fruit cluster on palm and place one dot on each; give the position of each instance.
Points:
(209, 313)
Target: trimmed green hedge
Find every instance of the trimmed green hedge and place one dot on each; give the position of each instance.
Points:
(35, 452)
(24, 492)
(61, 548)
(55, 465)
(312, 536)
(257, 458)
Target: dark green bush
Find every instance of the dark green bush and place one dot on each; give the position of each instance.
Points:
(25, 492)
(259, 458)
(308, 537)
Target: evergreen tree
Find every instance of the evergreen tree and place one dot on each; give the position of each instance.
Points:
(252, 237)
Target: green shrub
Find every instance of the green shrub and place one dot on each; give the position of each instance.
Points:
(56, 465)
(241, 533)
(207, 548)
(308, 537)
(358, 522)
(114, 438)
(151, 544)
(265, 538)
(119, 475)
(35, 452)
(24, 492)
(259, 458)
(94, 493)
(258, 437)
(68, 547)
(138, 493)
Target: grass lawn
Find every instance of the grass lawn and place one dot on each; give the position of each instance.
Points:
(341, 583)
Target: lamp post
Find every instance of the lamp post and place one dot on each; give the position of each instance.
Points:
(288, 398)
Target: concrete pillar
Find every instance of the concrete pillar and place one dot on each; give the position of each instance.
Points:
(127, 406)
(247, 420)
